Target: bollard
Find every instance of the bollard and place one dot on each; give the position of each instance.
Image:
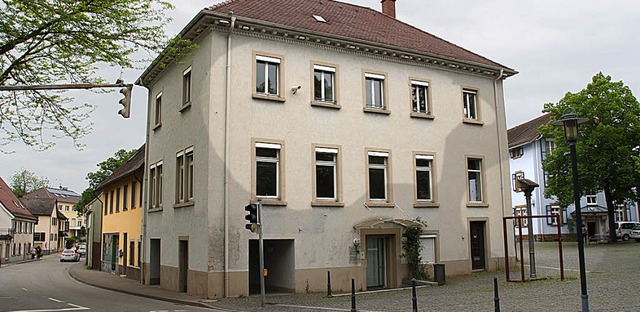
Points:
(328, 284)
(414, 298)
(353, 294)
(496, 297)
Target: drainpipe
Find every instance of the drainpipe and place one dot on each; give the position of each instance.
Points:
(495, 94)
(145, 182)
(227, 104)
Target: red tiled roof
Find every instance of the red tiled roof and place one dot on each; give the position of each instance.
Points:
(349, 21)
(11, 203)
(527, 132)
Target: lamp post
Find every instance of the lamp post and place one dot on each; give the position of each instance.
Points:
(570, 122)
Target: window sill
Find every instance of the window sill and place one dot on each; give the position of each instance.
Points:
(422, 115)
(334, 105)
(426, 205)
(275, 98)
(472, 122)
(376, 110)
(155, 209)
(477, 205)
(185, 106)
(157, 126)
(184, 204)
(320, 203)
(270, 202)
(380, 204)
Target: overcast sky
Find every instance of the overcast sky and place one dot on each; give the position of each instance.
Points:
(556, 46)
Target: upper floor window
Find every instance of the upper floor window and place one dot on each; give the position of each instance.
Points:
(186, 87)
(378, 176)
(592, 200)
(155, 187)
(66, 208)
(133, 194)
(118, 200)
(125, 199)
(470, 108)
(326, 175)
(184, 175)
(516, 152)
(374, 91)
(555, 211)
(324, 78)
(420, 97)
(268, 76)
(619, 212)
(111, 202)
(424, 178)
(269, 171)
(474, 179)
(158, 110)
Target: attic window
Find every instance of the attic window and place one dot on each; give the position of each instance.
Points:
(319, 18)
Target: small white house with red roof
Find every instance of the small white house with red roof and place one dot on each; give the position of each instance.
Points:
(16, 226)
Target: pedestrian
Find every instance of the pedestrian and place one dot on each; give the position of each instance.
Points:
(39, 252)
(33, 253)
(585, 234)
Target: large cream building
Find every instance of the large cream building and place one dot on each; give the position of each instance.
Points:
(347, 124)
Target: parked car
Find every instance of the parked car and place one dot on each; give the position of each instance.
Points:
(82, 250)
(69, 255)
(623, 229)
(635, 233)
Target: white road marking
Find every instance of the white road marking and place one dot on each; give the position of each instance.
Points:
(55, 300)
(77, 308)
(318, 308)
(24, 289)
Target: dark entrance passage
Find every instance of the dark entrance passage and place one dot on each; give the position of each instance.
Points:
(279, 261)
(154, 262)
(183, 265)
(478, 244)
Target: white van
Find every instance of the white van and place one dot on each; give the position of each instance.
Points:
(623, 228)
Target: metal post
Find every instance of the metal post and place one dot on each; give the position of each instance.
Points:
(576, 198)
(328, 284)
(560, 249)
(496, 297)
(261, 250)
(414, 298)
(353, 294)
(532, 253)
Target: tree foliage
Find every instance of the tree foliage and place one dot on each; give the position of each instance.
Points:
(105, 169)
(62, 41)
(25, 181)
(607, 149)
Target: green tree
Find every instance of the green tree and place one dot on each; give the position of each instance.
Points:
(606, 150)
(62, 41)
(25, 181)
(105, 169)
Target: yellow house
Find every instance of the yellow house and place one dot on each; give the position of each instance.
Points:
(121, 197)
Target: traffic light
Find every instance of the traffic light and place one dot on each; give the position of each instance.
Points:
(252, 217)
(126, 100)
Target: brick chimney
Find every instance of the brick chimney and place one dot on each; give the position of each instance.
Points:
(389, 8)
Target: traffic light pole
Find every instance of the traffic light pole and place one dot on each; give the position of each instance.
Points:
(261, 250)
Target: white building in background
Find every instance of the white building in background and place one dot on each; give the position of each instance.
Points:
(16, 227)
(347, 124)
(527, 150)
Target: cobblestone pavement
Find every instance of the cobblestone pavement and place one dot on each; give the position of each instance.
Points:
(613, 280)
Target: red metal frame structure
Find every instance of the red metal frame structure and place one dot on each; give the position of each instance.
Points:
(506, 245)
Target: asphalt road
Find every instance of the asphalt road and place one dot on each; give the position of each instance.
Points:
(45, 285)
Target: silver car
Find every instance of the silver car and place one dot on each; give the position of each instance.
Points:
(634, 233)
(69, 255)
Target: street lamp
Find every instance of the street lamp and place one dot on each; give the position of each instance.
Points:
(570, 122)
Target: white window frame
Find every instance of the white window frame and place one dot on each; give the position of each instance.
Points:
(265, 74)
(468, 113)
(415, 100)
(324, 72)
(385, 168)
(428, 169)
(158, 110)
(479, 182)
(326, 163)
(369, 80)
(186, 86)
(155, 187)
(592, 200)
(521, 211)
(272, 160)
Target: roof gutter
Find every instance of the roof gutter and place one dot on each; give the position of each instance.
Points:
(227, 104)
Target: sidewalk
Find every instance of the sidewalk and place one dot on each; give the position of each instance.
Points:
(125, 285)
